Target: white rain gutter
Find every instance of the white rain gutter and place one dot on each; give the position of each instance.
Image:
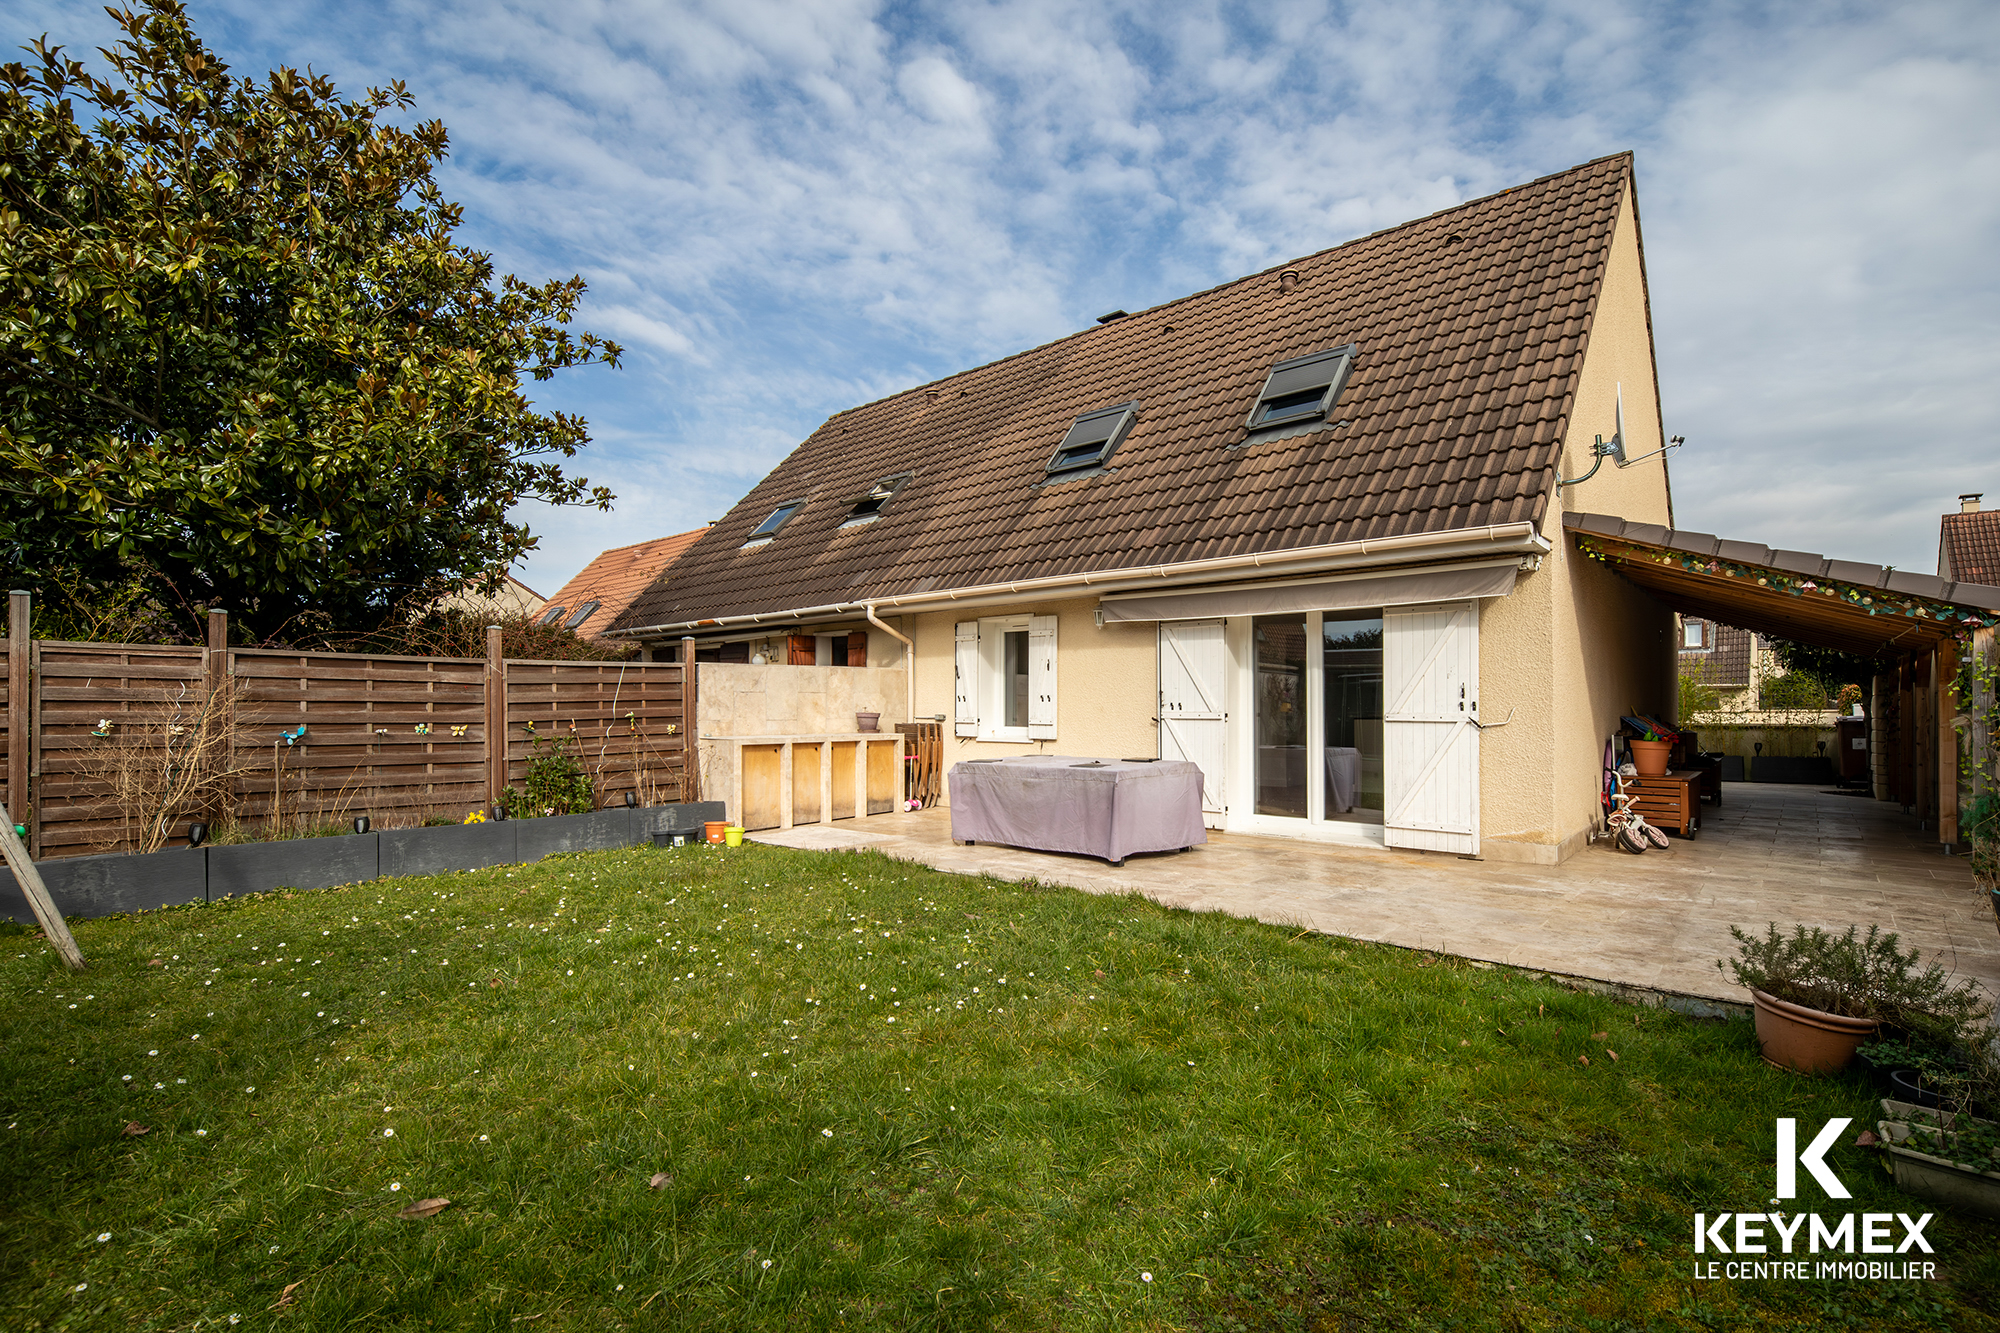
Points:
(1416, 547)
(909, 665)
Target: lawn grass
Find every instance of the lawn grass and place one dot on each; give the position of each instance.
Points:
(882, 1097)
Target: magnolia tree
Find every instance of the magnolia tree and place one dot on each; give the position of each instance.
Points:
(243, 360)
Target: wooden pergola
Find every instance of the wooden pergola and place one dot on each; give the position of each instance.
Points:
(1914, 625)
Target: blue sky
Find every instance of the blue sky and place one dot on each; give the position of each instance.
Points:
(787, 209)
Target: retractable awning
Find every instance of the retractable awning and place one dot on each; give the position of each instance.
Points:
(1337, 592)
(1869, 610)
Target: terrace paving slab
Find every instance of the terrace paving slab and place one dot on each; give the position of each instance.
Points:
(1789, 854)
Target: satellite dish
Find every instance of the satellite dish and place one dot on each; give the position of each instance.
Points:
(1615, 451)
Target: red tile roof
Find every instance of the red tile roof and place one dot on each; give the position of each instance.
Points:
(1471, 322)
(617, 576)
(1969, 548)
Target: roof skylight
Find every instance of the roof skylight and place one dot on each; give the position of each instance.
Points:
(1091, 439)
(1303, 390)
(551, 615)
(583, 613)
(869, 506)
(780, 516)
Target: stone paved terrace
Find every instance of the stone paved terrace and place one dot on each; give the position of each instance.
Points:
(1658, 921)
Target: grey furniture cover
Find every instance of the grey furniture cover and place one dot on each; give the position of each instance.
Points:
(1112, 808)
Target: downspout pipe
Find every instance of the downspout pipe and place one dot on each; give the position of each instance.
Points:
(909, 662)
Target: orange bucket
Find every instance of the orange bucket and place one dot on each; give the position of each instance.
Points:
(714, 830)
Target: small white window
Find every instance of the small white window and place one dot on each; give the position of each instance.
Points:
(1005, 668)
(1694, 634)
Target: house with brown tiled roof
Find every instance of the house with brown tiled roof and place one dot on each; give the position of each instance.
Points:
(1304, 528)
(591, 602)
(1969, 544)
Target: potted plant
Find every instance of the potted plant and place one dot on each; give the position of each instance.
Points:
(1945, 1154)
(1985, 859)
(1818, 995)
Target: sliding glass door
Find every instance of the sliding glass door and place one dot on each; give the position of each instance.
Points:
(1317, 725)
(1351, 714)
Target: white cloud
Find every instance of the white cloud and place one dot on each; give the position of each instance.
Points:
(788, 208)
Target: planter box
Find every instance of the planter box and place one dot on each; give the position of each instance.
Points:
(85, 886)
(297, 863)
(1791, 768)
(1934, 1178)
(101, 885)
(598, 831)
(664, 818)
(427, 851)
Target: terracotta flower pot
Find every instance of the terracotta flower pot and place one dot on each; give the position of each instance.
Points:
(1650, 757)
(867, 721)
(1808, 1040)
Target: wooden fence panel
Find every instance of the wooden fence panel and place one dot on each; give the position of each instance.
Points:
(626, 719)
(93, 700)
(8, 796)
(400, 739)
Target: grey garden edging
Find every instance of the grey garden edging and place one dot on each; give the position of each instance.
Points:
(86, 886)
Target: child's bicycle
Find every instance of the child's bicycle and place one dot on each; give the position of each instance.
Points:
(1628, 827)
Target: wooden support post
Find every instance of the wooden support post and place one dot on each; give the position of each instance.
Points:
(1903, 765)
(496, 717)
(30, 881)
(691, 725)
(785, 785)
(826, 782)
(1943, 672)
(1922, 734)
(20, 706)
(861, 780)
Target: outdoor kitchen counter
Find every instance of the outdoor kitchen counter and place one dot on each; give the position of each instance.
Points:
(1107, 808)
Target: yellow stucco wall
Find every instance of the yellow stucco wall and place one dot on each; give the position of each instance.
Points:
(1576, 645)
(1106, 681)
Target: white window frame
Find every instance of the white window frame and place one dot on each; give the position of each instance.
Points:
(992, 684)
(980, 647)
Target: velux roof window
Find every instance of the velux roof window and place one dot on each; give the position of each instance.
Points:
(869, 506)
(551, 616)
(1091, 440)
(1302, 391)
(583, 613)
(780, 516)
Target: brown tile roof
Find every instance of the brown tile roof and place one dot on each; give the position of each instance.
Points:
(617, 576)
(1969, 548)
(1471, 323)
(1725, 663)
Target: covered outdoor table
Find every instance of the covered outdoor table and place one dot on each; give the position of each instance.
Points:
(1109, 808)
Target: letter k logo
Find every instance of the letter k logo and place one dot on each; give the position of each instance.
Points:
(1813, 1159)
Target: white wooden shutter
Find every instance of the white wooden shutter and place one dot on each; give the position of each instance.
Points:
(1041, 678)
(965, 657)
(1430, 689)
(1193, 725)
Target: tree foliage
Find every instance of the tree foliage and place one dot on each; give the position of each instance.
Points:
(242, 353)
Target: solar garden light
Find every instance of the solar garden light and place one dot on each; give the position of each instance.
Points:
(197, 834)
(632, 797)
(361, 823)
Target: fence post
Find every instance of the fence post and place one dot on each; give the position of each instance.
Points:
(215, 675)
(20, 709)
(690, 724)
(496, 717)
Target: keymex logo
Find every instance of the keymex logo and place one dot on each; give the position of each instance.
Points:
(1781, 1232)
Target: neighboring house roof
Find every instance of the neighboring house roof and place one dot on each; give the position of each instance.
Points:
(1471, 325)
(615, 577)
(513, 598)
(1969, 547)
(1725, 663)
